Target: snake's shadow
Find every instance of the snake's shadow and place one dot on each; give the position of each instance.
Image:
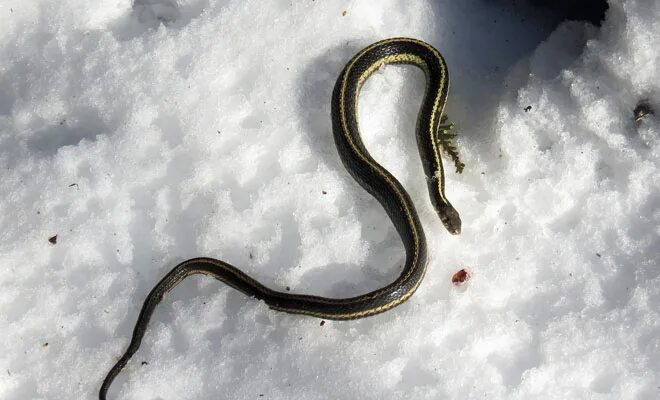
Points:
(382, 264)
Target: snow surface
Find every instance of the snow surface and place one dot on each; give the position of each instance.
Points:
(145, 132)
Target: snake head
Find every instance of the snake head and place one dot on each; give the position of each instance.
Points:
(450, 219)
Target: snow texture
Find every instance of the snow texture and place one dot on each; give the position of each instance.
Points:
(136, 134)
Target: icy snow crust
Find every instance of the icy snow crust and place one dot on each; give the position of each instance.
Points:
(144, 133)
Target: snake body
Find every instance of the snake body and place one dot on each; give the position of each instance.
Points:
(370, 175)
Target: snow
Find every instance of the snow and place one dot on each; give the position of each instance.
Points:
(145, 132)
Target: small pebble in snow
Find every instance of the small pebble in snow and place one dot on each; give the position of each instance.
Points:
(642, 110)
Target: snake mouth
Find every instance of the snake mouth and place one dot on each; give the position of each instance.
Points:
(454, 230)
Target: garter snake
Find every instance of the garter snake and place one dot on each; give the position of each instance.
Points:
(370, 175)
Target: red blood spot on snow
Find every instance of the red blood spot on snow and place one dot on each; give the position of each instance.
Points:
(460, 277)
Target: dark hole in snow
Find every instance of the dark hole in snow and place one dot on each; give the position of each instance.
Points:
(576, 10)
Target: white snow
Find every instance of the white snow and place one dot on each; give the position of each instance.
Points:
(145, 132)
